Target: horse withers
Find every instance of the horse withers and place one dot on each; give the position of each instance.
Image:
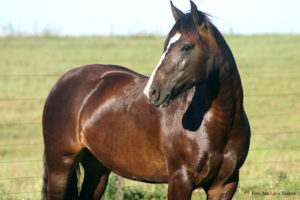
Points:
(185, 125)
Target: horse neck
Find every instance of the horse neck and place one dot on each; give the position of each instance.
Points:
(224, 89)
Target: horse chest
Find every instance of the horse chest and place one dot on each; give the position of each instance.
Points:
(201, 151)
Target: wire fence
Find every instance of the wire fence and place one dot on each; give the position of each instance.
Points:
(21, 146)
(249, 95)
(248, 163)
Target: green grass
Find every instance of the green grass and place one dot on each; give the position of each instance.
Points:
(268, 65)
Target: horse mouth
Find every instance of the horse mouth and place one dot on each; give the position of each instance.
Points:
(165, 102)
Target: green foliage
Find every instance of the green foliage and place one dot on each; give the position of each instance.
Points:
(137, 193)
(111, 189)
(134, 193)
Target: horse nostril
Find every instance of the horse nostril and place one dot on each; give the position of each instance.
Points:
(154, 94)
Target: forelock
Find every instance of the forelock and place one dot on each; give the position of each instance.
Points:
(186, 25)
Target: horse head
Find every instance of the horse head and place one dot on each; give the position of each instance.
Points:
(189, 57)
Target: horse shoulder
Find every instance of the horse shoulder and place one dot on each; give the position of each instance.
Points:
(107, 95)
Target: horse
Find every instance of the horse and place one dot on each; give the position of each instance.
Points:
(185, 125)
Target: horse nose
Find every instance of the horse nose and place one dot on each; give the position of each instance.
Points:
(154, 94)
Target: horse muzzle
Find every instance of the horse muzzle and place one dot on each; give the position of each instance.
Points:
(157, 96)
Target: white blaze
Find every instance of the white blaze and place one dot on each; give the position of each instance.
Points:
(174, 39)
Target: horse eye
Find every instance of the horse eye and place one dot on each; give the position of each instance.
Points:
(186, 47)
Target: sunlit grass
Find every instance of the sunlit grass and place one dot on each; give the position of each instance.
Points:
(269, 67)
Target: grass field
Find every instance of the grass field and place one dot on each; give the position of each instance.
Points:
(270, 71)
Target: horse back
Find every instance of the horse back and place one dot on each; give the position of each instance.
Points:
(64, 102)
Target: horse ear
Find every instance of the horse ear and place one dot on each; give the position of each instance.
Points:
(200, 24)
(176, 12)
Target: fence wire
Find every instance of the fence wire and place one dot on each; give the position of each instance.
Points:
(7, 163)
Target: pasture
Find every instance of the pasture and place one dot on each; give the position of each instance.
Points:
(270, 70)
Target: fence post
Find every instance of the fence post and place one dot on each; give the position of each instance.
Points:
(119, 186)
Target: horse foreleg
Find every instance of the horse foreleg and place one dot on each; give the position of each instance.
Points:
(222, 191)
(180, 186)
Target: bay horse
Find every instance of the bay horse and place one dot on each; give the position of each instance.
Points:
(185, 125)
